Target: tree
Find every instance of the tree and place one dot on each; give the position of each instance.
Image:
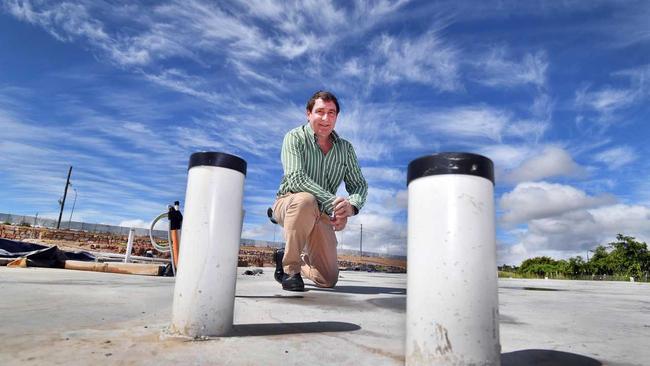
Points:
(624, 257)
(540, 266)
(600, 262)
(629, 257)
(576, 266)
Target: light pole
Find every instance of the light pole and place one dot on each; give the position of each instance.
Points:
(361, 245)
(73, 203)
(62, 201)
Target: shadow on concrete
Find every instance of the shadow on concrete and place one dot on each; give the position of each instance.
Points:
(531, 288)
(254, 330)
(544, 357)
(365, 290)
(505, 319)
(396, 304)
(270, 297)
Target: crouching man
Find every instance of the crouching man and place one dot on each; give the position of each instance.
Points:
(315, 161)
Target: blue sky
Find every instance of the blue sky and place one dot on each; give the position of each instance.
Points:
(556, 93)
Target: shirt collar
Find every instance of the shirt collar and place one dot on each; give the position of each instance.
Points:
(334, 136)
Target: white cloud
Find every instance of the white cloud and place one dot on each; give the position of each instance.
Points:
(529, 201)
(542, 107)
(526, 129)
(616, 157)
(380, 233)
(639, 77)
(496, 69)
(68, 22)
(613, 103)
(505, 157)
(574, 233)
(551, 162)
(248, 73)
(197, 138)
(626, 26)
(263, 231)
(372, 131)
(65, 21)
(181, 82)
(482, 122)
(426, 60)
(384, 175)
(606, 100)
(386, 202)
(377, 9)
(353, 67)
(383, 226)
(137, 223)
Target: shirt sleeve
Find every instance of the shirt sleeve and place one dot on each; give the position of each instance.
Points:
(292, 155)
(355, 183)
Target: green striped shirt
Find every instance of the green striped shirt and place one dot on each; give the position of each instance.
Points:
(307, 169)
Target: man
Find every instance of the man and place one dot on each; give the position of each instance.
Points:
(315, 161)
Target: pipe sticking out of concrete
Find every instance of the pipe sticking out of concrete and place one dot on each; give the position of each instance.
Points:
(129, 246)
(452, 315)
(204, 293)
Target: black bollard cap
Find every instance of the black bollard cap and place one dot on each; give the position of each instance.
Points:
(450, 163)
(218, 159)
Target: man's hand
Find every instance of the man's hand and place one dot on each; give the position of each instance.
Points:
(339, 223)
(342, 207)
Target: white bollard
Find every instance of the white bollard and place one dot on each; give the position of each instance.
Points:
(129, 246)
(204, 294)
(452, 314)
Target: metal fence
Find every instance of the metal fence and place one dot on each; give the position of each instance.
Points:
(111, 229)
(121, 230)
(75, 225)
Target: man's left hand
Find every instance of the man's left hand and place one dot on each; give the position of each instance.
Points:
(342, 207)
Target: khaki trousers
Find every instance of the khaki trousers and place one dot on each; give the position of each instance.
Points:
(310, 247)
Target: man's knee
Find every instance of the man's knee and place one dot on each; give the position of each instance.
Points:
(328, 282)
(305, 201)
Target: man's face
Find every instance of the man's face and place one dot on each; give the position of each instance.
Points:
(322, 117)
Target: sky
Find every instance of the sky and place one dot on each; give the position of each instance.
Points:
(556, 93)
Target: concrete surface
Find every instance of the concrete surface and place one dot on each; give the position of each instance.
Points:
(51, 316)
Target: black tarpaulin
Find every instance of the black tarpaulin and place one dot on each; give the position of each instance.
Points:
(41, 255)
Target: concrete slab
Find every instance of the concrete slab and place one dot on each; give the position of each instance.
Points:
(50, 316)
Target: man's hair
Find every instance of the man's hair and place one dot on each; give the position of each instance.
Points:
(326, 97)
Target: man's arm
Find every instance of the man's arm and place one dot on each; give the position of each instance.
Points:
(356, 186)
(292, 156)
(355, 183)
